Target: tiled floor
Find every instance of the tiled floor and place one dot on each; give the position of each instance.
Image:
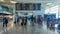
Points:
(18, 29)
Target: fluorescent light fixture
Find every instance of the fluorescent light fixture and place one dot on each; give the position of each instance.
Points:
(1, 0)
(13, 2)
(48, 3)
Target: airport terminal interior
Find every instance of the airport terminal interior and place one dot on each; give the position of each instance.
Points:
(29, 16)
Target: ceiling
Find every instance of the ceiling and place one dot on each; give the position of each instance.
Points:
(43, 2)
(31, 1)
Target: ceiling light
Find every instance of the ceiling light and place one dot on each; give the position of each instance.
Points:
(1, 0)
(13, 2)
(48, 3)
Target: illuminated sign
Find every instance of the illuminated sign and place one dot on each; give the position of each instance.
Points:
(28, 6)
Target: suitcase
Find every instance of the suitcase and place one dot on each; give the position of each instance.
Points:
(14, 22)
(22, 24)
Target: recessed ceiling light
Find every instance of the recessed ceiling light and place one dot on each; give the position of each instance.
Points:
(48, 3)
(13, 2)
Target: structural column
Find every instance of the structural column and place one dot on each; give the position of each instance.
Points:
(59, 11)
(14, 12)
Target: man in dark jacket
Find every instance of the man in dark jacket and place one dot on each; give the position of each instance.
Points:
(5, 21)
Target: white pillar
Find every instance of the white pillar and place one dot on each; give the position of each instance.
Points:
(14, 12)
(59, 11)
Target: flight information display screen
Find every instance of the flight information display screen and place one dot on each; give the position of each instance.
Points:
(28, 6)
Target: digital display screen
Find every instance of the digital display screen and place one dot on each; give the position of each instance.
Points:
(28, 6)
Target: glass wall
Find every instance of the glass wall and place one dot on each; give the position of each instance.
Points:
(52, 10)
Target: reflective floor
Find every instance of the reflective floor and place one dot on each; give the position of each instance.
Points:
(18, 29)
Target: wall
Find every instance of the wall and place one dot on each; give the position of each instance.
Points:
(40, 12)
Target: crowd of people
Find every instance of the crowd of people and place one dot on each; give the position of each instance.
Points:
(23, 20)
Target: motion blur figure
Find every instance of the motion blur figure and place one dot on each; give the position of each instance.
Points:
(25, 21)
(5, 21)
(22, 21)
(40, 20)
(59, 28)
(32, 20)
(18, 20)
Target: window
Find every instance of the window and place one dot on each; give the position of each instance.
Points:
(52, 10)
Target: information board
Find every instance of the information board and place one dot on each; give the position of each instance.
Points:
(28, 6)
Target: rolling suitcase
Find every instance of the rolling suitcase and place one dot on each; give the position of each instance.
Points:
(21, 24)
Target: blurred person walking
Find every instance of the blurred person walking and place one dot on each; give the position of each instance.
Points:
(5, 21)
(32, 20)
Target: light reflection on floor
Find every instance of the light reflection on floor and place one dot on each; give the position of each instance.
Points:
(18, 29)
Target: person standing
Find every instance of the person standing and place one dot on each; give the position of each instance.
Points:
(22, 21)
(25, 21)
(5, 21)
(32, 20)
